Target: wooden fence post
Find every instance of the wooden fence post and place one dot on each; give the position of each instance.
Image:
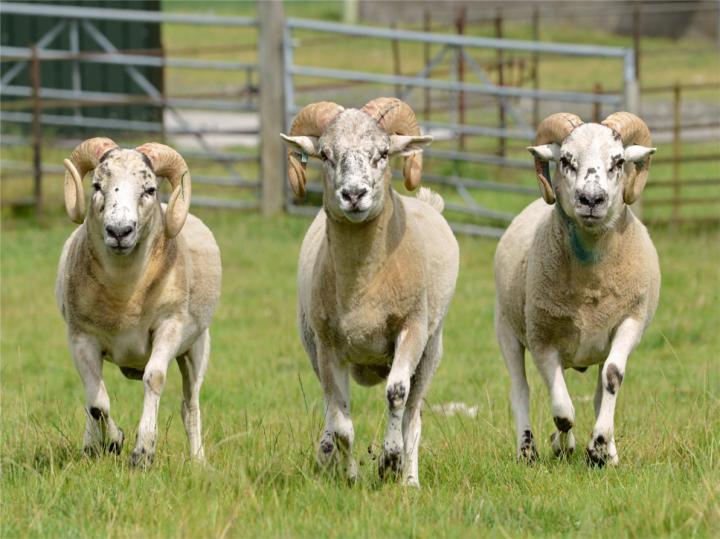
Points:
(272, 105)
(460, 28)
(536, 65)
(501, 81)
(397, 70)
(37, 130)
(597, 105)
(427, 25)
(676, 154)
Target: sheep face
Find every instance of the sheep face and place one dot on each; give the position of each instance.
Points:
(590, 174)
(124, 199)
(355, 154)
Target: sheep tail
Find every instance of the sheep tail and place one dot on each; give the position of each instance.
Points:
(432, 198)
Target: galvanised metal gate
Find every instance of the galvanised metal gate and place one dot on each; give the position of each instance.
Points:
(446, 159)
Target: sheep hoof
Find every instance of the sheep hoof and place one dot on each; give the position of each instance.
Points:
(391, 463)
(115, 446)
(563, 444)
(327, 452)
(597, 452)
(141, 458)
(527, 452)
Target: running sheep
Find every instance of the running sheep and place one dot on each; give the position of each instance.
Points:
(376, 275)
(577, 283)
(137, 285)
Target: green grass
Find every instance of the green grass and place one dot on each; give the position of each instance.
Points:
(262, 416)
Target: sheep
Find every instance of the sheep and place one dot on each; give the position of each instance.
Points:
(577, 284)
(376, 274)
(137, 285)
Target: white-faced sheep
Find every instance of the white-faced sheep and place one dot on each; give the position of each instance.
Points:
(578, 283)
(137, 285)
(376, 274)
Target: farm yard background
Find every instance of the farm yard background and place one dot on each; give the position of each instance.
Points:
(262, 405)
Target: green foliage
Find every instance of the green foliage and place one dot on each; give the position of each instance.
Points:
(262, 411)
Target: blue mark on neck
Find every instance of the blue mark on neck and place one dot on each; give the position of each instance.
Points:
(583, 254)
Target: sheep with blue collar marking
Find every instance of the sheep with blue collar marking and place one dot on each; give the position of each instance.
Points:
(577, 276)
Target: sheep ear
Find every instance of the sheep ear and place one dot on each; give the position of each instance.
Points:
(302, 144)
(546, 152)
(638, 153)
(408, 144)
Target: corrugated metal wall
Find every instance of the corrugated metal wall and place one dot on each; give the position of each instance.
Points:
(24, 31)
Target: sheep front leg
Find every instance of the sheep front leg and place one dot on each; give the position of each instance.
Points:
(101, 433)
(408, 350)
(337, 439)
(601, 449)
(166, 341)
(550, 367)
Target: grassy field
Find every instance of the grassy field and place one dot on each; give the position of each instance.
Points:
(262, 416)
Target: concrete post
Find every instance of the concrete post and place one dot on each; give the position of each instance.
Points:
(272, 105)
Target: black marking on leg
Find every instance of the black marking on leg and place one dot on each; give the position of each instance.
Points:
(396, 395)
(597, 452)
(614, 378)
(117, 445)
(527, 451)
(563, 423)
(390, 464)
(96, 413)
(327, 446)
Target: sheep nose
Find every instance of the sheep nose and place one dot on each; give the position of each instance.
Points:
(596, 198)
(118, 232)
(353, 195)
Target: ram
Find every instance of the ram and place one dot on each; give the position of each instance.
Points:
(376, 275)
(137, 285)
(577, 276)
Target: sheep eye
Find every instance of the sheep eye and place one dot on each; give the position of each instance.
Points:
(384, 154)
(150, 191)
(323, 156)
(96, 187)
(618, 164)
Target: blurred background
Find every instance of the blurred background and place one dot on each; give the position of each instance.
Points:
(205, 77)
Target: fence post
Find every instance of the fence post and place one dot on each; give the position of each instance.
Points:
(501, 80)
(597, 105)
(395, 44)
(272, 105)
(36, 129)
(536, 65)
(460, 28)
(427, 25)
(676, 154)
(636, 36)
(632, 102)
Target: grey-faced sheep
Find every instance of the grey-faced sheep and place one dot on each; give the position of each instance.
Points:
(578, 282)
(137, 285)
(376, 274)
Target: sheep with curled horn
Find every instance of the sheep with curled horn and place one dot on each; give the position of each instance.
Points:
(577, 276)
(376, 274)
(137, 285)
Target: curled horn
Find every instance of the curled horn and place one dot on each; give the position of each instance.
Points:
(312, 120)
(553, 129)
(170, 164)
(84, 158)
(632, 130)
(396, 117)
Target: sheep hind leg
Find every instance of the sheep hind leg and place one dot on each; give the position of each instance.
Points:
(335, 446)
(412, 422)
(101, 433)
(514, 354)
(192, 368)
